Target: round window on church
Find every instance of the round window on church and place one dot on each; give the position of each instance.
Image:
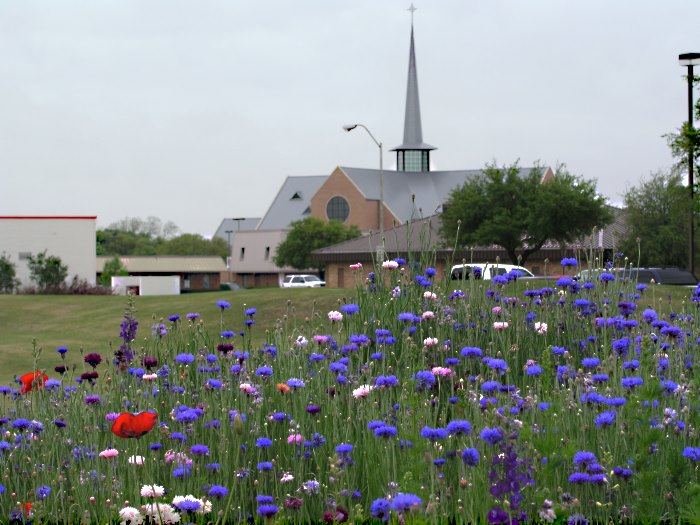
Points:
(337, 209)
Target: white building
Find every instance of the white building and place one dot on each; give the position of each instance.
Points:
(71, 238)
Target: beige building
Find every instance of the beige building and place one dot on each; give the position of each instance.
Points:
(71, 238)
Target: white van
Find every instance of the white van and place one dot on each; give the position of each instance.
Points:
(486, 271)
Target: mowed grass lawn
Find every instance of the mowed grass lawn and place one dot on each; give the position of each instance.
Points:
(91, 323)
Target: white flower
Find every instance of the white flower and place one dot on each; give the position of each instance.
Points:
(541, 328)
(130, 516)
(500, 325)
(161, 513)
(286, 477)
(362, 391)
(301, 341)
(391, 265)
(335, 316)
(430, 341)
(429, 295)
(152, 491)
(136, 460)
(428, 315)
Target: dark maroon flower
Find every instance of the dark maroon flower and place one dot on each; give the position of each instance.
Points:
(224, 347)
(150, 362)
(89, 376)
(293, 503)
(93, 359)
(60, 369)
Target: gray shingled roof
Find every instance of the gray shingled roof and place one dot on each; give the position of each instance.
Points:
(430, 189)
(291, 202)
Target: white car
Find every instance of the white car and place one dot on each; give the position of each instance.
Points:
(302, 281)
(486, 271)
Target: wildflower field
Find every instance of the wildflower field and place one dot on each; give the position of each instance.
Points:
(422, 401)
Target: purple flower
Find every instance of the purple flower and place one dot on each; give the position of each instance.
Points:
(267, 511)
(349, 309)
(584, 458)
(199, 450)
(223, 305)
(459, 426)
(579, 478)
(184, 359)
(263, 442)
(380, 509)
(470, 351)
(385, 431)
(692, 453)
(217, 491)
(605, 419)
(43, 491)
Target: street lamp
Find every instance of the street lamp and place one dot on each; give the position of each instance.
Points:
(230, 255)
(349, 128)
(689, 60)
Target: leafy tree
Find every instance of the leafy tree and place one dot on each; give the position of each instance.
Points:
(519, 212)
(111, 268)
(8, 275)
(308, 235)
(152, 227)
(194, 244)
(657, 211)
(118, 242)
(47, 271)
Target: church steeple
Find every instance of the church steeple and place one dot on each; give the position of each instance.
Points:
(413, 155)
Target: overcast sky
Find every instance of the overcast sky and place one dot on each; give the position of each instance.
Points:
(192, 111)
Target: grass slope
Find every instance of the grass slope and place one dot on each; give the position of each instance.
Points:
(46, 322)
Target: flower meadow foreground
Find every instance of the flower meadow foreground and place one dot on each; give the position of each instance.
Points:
(422, 401)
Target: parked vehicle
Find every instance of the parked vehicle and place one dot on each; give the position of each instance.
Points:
(487, 271)
(667, 275)
(302, 281)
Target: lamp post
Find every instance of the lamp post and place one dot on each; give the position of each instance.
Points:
(349, 128)
(230, 257)
(689, 60)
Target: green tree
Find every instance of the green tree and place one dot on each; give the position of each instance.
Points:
(8, 275)
(657, 211)
(111, 268)
(308, 235)
(519, 212)
(47, 271)
(194, 244)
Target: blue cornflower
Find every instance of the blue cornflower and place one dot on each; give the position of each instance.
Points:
(584, 458)
(250, 312)
(21, 424)
(179, 436)
(406, 316)
(295, 383)
(188, 505)
(605, 419)
(692, 453)
(459, 426)
(471, 351)
(62, 350)
(264, 371)
(433, 434)
(350, 309)
(343, 448)
(267, 511)
(579, 478)
(213, 383)
(386, 381)
(569, 261)
(265, 465)
(386, 431)
(425, 379)
(217, 491)
(405, 502)
(184, 358)
(199, 450)
(590, 362)
(43, 491)
(491, 435)
(606, 277)
(470, 456)
(380, 509)
(182, 471)
(263, 442)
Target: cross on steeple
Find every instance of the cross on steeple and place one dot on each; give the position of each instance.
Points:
(412, 10)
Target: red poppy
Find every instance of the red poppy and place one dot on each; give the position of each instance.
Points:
(27, 508)
(32, 381)
(129, 425)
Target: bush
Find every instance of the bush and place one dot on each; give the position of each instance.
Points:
(47, 271)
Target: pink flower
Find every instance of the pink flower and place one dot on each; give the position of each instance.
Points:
(496, 310)
(362, 391)
(500, 325)
(109, 453)
(430, 296)
(391, 265)
(356, 266)
(248, 388)
(427, 315)
(430, 341)
(442, 371)
(295, 439)
(335, 316)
